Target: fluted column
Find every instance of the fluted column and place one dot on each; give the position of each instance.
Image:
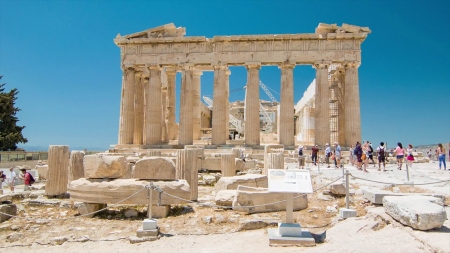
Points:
(219, 106)
(196, 104)
(58, 170)
(138, 108)
(307, 130)
(171, 97)
(252, 105)
(186, 108)
(126, 124)
(153, 107)
(228, 165)
(286, 127)
(322, 109)
(227, 107)
(352, 105)
(164, 138)
(76, 167)
(186, 168)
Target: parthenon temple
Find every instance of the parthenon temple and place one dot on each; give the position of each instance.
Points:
(329, 110)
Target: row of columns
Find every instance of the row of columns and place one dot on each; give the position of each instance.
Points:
(144, 105)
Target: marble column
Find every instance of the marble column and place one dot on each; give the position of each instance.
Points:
(126, 124)
(219, 106)
(186, 168)
(186, 108)
(138, 108)
(171, 99)
(227, 107)
(76, 167)
(322, 107)
(228, 165)
(286, 127)
(153, 107)
(252, 105)
(352, 111)
(164, 136)
(196, 104)
(58, 170)
(308, 124)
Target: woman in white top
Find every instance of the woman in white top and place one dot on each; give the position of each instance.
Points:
(409, 157)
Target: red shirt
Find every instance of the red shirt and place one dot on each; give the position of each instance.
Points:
(315, 150)
(27, 178)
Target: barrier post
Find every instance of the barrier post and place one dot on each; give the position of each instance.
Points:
(347, 184)
(150, 199)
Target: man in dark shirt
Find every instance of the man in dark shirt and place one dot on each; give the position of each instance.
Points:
(315, 151)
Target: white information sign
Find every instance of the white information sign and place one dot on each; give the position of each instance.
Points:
(297, 181)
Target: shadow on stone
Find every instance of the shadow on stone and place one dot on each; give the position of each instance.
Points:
(320, 238)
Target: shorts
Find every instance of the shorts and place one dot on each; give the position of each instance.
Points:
(400, 157)
(410, 158)
(301, 161)
(337, 157)
(359, 158)
(371, 157)
(381, 159)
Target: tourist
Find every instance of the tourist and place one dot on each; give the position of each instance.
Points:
(381, 152)
(2, 179)
(301, 157)
(429, 154)
(12, 178)
(26, 177)
(337, 156)
(359, 153)
(400, 153)
(370, 154)
(410, 157)
(327, 155)
(352, 155)
(365, 156)
(441, 155)
(315, 151)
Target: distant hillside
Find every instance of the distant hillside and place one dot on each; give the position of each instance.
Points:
(45, 148)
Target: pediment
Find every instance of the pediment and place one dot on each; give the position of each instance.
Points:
(168, 30)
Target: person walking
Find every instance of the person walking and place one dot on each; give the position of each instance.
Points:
(12, 179)
(400, 153)
(352, 155)
(301, 157)
(365, 156)
(26, 177)
(370, 154)
(381, 152)
(410, 156)
(327, 155)
(441, 155)
(359, 153)
(337, 155)
(314, 152)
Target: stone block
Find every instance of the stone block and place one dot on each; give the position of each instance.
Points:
(232, 183)
(225, 197)
(249, 165)
(42, 171)
(375, 195)
(347, 213)
(111, 192)
(87, 209)
(104, 166)
(10, 209)
(155, 168)
(260, 200)
(159, 212)
(212, 163)
(145, 233)
(58, 170)
(289, 229)
(418, 212)
(337, 188)
(149, 224)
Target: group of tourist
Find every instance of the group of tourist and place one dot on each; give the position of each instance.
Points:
(25, 176)
(362, 154)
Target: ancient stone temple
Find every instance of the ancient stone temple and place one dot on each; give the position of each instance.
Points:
(150, 60)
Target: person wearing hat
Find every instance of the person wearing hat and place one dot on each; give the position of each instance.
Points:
(12, 178)
(337, 156)
(327, 154)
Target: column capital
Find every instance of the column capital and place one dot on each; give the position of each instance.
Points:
(145, 72)
(126, 67)
(221, 66)
(286, 65)
(351, 64)
(186, 66)
(321, 65)
(154, 67)
(197, 72)
(171, 71)
(253, 65)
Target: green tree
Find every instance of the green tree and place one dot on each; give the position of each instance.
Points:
(10, 133)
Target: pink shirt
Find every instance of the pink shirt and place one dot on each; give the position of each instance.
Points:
(399, 151)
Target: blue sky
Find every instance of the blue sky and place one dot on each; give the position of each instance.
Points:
(61, 57)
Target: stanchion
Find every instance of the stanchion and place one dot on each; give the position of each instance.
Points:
(347, 212)
(407, 175)
(150, 225)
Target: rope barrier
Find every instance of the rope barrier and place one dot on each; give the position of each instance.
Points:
(365, 179)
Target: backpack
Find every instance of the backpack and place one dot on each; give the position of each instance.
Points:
(381, 152)
(358, 150)
(300, 151)
(32, 181)
(371, 149)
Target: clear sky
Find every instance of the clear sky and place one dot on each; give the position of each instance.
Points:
(61, 57)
